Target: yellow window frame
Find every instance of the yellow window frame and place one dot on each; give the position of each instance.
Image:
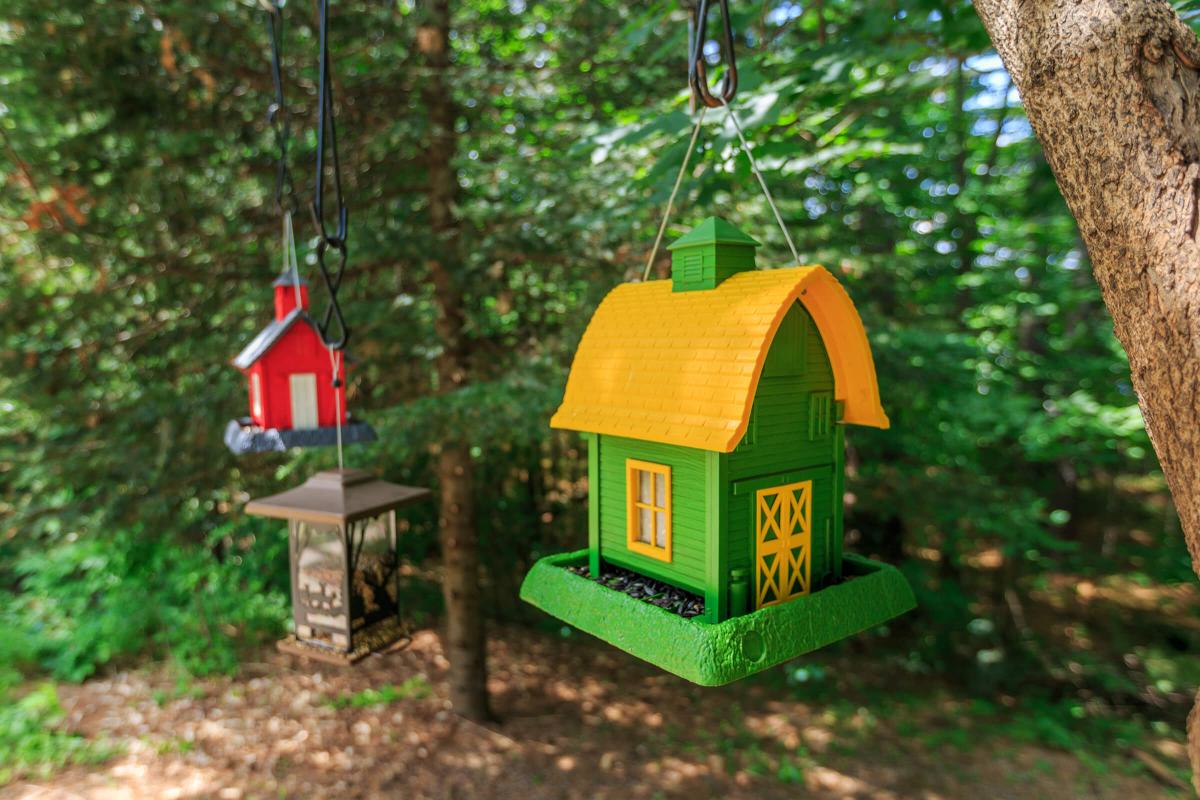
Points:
(634, 506)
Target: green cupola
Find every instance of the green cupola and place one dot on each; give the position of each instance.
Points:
(708, 254)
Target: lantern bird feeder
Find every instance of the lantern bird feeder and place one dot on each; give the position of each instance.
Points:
(714, 406)
(295, 400)
(344, 562)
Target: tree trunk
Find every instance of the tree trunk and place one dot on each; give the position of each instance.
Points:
(1110, 87)
(464, 638)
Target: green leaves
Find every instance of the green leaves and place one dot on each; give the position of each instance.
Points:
(138, 242)
(31, 741)
(87, 601)
(415, 688)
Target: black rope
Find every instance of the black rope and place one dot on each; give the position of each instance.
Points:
(277, 116)
(332, 325)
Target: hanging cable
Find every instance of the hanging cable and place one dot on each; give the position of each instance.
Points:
(702, 97)
(737, 126)
(291, 266)
(277, 116)
(332, 325)
(335, 364)
(662, 225)
(762, 182)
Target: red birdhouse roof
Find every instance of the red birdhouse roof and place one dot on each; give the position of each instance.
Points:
(271, 334)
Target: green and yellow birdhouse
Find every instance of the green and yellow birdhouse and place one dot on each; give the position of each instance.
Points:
(714, 406)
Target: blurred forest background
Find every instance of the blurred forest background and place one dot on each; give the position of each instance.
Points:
(138, 235)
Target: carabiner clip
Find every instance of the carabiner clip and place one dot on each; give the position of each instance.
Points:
(697, 71)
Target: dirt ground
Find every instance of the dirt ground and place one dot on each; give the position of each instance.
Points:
(577, 719)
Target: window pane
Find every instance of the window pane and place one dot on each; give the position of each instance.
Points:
(375, 572)
(320, 579)
(645, 526)
(256, 394)
(660, 529)
(660, 486)
(644, 487)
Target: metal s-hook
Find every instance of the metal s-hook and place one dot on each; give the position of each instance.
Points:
(697, 69)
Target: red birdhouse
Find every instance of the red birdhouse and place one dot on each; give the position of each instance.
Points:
(290, 380)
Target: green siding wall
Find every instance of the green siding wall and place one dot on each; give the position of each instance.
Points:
(780, 448)
(593, 445)
(712, 494)
(689, 558)
(741, 522)
(716, 594)
(789, 351)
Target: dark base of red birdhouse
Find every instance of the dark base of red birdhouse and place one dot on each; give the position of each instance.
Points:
(382, 637)
(243, 436)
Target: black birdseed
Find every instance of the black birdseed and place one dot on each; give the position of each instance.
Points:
(648, 590)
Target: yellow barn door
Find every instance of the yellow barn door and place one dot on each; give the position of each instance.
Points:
(783, 532)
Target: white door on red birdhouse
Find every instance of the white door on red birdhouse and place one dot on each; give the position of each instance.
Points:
(304, 400)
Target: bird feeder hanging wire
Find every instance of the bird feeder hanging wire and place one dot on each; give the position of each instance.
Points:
(277, 118)
(332, 321)
(332, 318)
(703, 98)
(332, 325)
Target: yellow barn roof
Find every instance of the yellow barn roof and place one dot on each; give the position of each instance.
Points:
(682, 367)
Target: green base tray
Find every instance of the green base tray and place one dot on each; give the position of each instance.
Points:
(712, 655)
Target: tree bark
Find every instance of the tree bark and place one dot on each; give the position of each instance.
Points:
(1111, 88)
(464, 641)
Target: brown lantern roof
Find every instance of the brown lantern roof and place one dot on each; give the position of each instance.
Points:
(337, 497)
